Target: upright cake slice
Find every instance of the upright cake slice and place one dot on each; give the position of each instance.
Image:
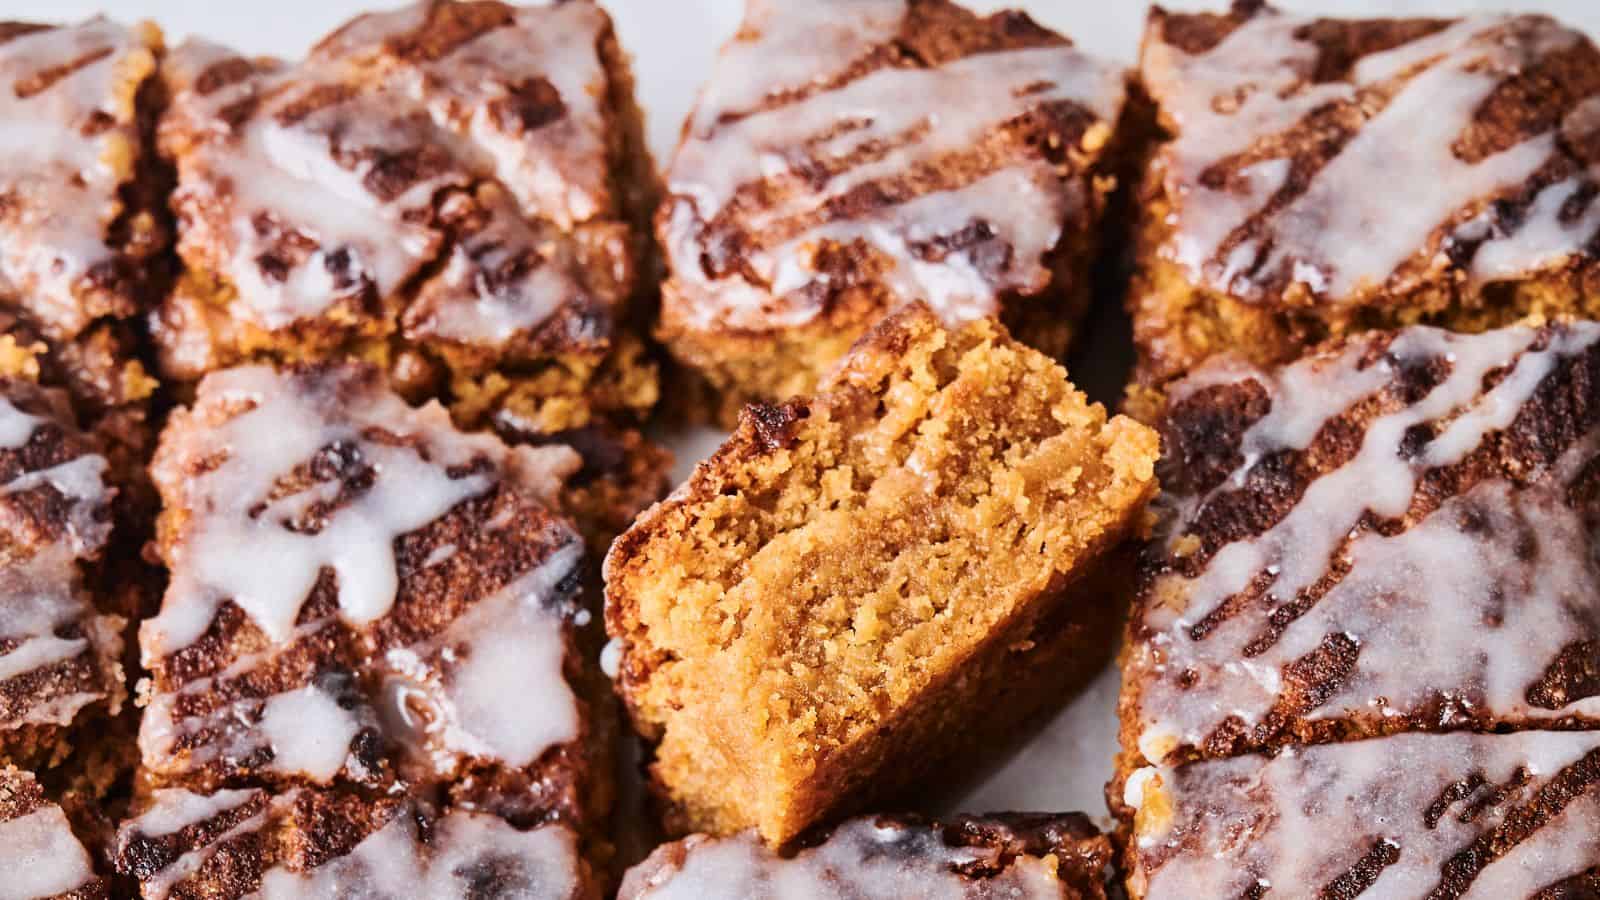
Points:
(79, 235)
(307, 843)
(1326, 176)
(848, 158)
(848, 591)
(363, 597)
(448, 190)
(1476, 817)
(1026, 857)
(1398, 533)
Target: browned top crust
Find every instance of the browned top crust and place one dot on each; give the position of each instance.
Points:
(312, 843)
(1033, 855)
(1396, 533)
(70, 252)
(39, 854)
(360, 593)
(57, 656)
(1477, 817)
(1354, 163)
(442, 172)
(907, 147)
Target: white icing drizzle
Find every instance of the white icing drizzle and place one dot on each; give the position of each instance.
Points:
(464, 109)
(1297, 822)
(786, 46)
(291, 175)
(309, 732)
(172, 810)
(1341, 238)
(16, 426)
(1511, 564)
(291, 420)
(443, 696)
(885, 119)
(465, 856)
(41, 593)
(508, 646)
(66, 148)
(40, 856)
(859, 861)
(305, 729)
(611, 658)
(540, 864)
(556, 169)
(160, 885)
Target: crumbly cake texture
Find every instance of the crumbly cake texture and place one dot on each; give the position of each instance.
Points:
(1327, 176)
(1395, 534)
(60, 666)
(307, 843)
(1028, 857)
(854, 579)
(80, 232)
(843, 161)
(1476, 817)
(365, 600)
(40, 853)
(453, 191)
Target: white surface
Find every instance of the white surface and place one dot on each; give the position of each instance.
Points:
(673, 42)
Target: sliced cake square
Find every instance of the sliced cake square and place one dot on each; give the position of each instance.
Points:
(363, 597)
(1325, 176)
(1470, 816)
(1026, 857)
(453, 191)
(845, 159)
(234, 844)
(1397, 533)
(60, 654)
(82, 230)
(849, 591)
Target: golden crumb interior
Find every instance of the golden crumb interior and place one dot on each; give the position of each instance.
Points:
(838, 569)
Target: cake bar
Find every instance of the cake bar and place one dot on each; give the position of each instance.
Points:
(1027, 857)
(447, 190)
(60, 662)
(363, 597)
(81, 232)
(853, 586)
(1395, 534)
(309, 843)
(845, 159)
(1326, 176)
(1475, 817)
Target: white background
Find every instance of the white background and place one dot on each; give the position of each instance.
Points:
(673, 42)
